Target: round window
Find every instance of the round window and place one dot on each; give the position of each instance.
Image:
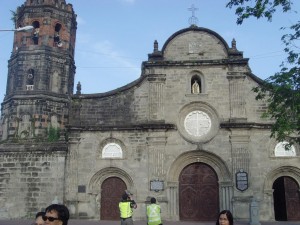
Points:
(197, 123)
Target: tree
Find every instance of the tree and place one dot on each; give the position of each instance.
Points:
(281, 90)
(13, 17)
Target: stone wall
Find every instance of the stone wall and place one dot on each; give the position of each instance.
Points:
(31, 177)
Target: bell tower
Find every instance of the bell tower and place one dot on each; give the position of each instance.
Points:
(41, 71)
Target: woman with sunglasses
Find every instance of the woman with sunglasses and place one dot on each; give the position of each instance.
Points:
(56, 214)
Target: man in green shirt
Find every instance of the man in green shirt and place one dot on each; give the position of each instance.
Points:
(153, 213)
(126, 207)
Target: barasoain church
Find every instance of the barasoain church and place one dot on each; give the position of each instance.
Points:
(188, 131)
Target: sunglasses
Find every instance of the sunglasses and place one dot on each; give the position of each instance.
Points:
(51, 219)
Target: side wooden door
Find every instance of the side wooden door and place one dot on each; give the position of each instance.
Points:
(292, 199)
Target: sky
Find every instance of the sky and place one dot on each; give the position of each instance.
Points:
(114, 37)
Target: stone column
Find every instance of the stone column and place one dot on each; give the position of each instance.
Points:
(173, 203)
(254, 212)
(226, 195)
(268, 206)
(71, 186)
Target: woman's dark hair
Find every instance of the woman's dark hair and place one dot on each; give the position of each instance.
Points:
(39, 214)
(228, 215)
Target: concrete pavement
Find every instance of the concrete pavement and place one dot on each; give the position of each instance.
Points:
(103, 222)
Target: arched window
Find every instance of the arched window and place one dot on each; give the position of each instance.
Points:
(112, 150)
(196, 85)
(281, 151)
(36, 31)
(57, 39)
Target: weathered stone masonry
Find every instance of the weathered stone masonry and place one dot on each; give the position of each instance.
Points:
(197, 149)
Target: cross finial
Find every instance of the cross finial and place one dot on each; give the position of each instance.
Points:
(193, 20)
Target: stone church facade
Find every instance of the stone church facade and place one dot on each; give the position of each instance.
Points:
(188, 131)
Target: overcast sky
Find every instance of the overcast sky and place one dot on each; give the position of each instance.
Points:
(115, 36)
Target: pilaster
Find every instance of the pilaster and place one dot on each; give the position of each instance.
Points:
(156, 96)
(236, 96)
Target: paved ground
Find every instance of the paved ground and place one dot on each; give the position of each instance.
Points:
(92, 222)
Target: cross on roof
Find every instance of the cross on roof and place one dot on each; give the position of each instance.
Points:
(193, 20)
(193, 9)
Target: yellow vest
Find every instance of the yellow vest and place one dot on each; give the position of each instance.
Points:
(153, 214)
(125, 209)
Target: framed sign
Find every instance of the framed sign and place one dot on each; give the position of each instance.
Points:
(241, 179)
(156, 185)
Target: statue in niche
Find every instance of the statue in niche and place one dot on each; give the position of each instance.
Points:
(195, 87)
(30, 76)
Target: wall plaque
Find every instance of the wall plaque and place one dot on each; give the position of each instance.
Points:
(241, 180)
(156, 185)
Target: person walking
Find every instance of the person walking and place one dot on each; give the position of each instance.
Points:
(153, 213)
(126, 207)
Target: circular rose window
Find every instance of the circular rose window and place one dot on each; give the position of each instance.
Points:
(197, 123)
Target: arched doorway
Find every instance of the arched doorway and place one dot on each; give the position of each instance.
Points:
(111, 192)
(286, 199)
(198, 193)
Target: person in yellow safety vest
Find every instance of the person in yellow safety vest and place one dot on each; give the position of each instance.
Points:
(153, 213)
(126, 207)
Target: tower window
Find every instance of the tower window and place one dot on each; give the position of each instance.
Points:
(36, 31)
(57, 40)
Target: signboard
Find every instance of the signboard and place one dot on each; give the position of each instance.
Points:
(241, 179)
(156, 185)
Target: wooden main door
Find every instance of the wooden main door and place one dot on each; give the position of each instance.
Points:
(111, 193)
(286, 199)
(198, 193)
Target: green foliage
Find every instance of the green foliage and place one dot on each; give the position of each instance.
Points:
(282, 94)
(53, 134)
(13, 17)
(282, 90)
(258, 8)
